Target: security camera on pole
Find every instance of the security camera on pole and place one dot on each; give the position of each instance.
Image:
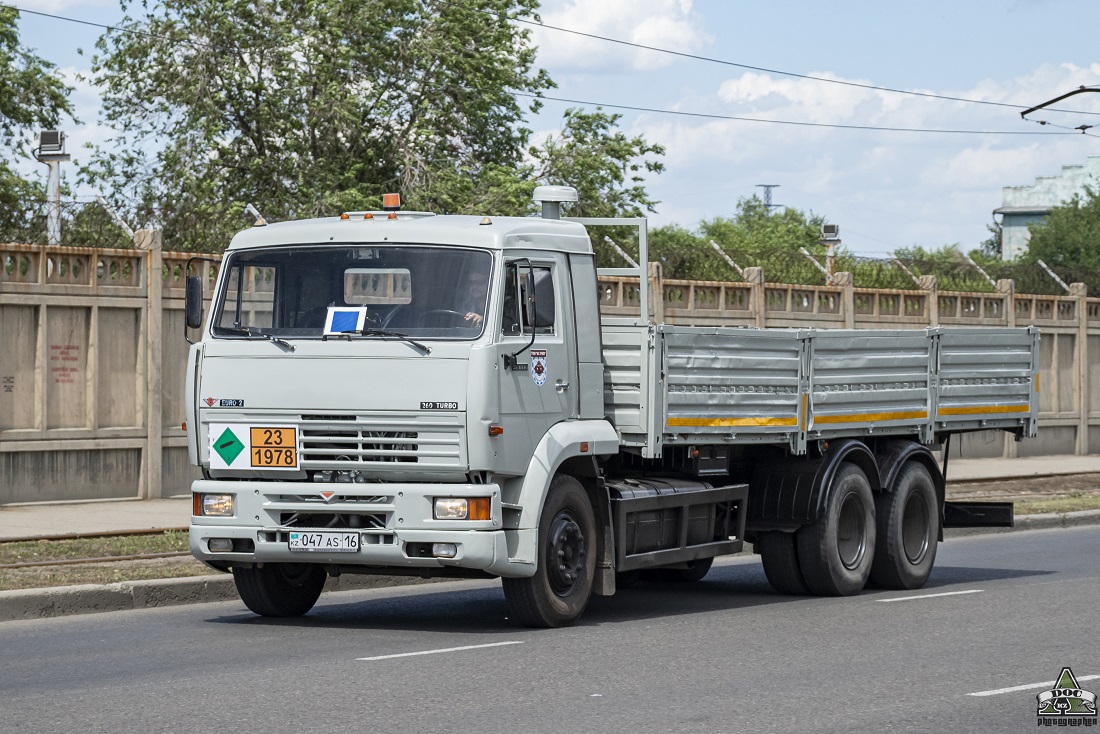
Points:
(51, 151)
(830, 238)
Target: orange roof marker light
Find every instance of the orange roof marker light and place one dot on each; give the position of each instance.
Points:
(344, 216)
(391, 202)
(368, 215)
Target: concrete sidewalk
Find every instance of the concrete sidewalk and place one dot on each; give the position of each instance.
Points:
(23, 521)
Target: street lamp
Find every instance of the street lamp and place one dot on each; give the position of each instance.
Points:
(51, 151)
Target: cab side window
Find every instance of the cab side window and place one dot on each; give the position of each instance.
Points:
(523, 284)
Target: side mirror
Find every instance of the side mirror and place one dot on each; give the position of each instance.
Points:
(529, 304)
(193, 302)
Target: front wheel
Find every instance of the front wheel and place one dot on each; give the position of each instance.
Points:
(835, 552)
(280, 589)
(559, 591)
(908, 530)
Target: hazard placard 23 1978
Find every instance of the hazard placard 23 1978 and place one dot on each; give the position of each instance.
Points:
(274, 447)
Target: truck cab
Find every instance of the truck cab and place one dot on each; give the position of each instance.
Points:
(370, 391)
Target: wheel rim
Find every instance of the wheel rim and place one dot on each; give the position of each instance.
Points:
(851, 538)
(914, 528)
(566, 554)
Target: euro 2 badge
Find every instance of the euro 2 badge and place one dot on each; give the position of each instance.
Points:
(538, 366)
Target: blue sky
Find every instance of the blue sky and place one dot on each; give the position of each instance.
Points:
(885, 189)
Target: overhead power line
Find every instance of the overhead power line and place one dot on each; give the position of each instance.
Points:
(636, 108)
(709, 116)
(750, 67)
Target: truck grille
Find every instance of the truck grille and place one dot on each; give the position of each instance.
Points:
(342, 442)
(323, 520)
(350, 507)
(362, 445)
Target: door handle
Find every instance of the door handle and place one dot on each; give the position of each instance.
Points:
(561, 386)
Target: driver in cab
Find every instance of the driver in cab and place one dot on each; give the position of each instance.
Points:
(472, 302)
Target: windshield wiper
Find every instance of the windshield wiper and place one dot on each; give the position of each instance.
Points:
(249, 331)
(386, 333)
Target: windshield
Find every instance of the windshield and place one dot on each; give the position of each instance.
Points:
(420, 291)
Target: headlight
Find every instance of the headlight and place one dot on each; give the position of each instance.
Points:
(461, 508)
(214, 505)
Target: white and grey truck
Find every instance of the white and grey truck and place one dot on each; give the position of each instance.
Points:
(395, 392)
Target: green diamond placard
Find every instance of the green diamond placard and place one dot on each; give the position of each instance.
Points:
(228, 446)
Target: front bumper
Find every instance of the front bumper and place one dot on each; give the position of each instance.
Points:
(394, 521)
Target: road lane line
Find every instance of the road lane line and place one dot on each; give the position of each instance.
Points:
(442, 650)
(1027, 686)
(931, 596)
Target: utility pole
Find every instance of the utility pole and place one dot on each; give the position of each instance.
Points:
(830, 238)
(51, 151)
(768, 195)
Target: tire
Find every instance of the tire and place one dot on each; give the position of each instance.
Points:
(695, 571)
(908, 524)
(558, 593)
(780, 560)
(280, 589)
(835, 553)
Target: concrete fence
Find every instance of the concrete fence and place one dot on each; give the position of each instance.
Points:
(92, 359)
(93, 354)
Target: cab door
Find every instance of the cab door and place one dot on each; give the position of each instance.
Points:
(540, 388)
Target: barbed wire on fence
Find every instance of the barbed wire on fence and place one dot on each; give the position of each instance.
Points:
(83, 224)
(88, 224)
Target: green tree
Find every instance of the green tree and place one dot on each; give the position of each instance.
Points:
(30, 93)
(31, 96)
(307, 107)
(607, 168)
(1070, 236)
(755, 228)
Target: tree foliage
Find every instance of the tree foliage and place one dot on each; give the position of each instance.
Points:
(314, 107)
(31, 96)
(311, 107)
(753, 236)
(30, 93)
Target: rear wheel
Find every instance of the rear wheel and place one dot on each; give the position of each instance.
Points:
(780, 560)
(559, 591)
(280, 589)
(835, 552)
(908, 521)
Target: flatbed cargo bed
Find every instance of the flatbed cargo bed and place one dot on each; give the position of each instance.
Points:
(682, 385)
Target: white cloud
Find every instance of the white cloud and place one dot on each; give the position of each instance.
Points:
(669, 24)
(928, 189)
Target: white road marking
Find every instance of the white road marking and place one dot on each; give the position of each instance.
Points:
(1026, 686)
(446, 649)
(931, 596)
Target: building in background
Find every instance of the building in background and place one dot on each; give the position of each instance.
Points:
(1022, 205)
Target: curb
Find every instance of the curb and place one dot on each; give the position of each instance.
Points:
(1017, 477)
(1034, 522)
(60, 601)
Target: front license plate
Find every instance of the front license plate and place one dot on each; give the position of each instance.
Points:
(274, 447)
(325, 542)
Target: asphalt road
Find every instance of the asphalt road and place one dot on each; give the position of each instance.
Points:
(722, 655)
